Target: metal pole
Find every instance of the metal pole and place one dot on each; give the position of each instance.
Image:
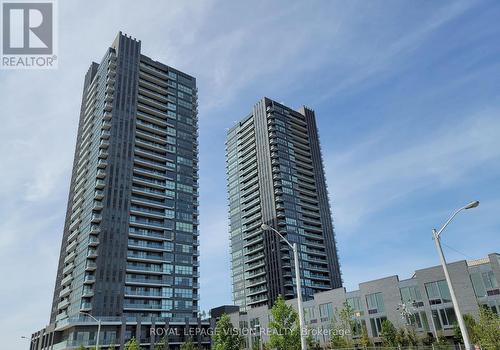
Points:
(303, 345)
(460, 319)
(249, 330)
(295, 249)
(98, 333)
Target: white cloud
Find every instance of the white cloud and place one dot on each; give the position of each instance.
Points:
(365, 180)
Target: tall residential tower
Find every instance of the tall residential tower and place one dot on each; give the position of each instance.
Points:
(276, 176)
(130, 243)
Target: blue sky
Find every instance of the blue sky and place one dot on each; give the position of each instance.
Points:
(407, 100)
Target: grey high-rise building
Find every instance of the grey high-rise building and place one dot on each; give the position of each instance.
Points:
(130, 242)
(275, 176)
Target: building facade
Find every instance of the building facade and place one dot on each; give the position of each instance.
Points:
(130, 241)
(425, 295)
(275, 176)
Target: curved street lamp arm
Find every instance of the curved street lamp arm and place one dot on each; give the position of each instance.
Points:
(89, 315)
(283, 238)
(438, 233)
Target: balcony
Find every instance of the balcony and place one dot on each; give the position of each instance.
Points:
(152, 102)
(92, 254)
(148, 245)
(93, 241)
(66, 280)
(148, 191)
(99, 184)
(142, 306)
(91, 265)
(145, 233)
(104, 144)
(152, 79)
(148, 85)
(148, 181)
(153, 71)
(154, 173)
(147, 257)
(86, 306)
(106, 125)
(141, 161)
(96, 218)
(105, 134)
(148, 281)
(152, 269)
(94, 230)
(101, 174)
(89, 279)
(65, 292)
(88, 292)
(151, 137)
(70, 257)
(151, 110)
(74, 224)
(68, 268)
(97, 206)
(71, 246)
(101, 163)
(63, 304)
(103, 154)
(138, 293)
(99, 194)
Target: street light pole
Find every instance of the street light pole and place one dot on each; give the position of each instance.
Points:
(437, 241)
(98, 328)
(298, 284)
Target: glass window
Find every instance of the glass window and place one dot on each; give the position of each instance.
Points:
(354, 303)
(376, 325)
(477, 283)
(436, 320)
(411, 293)
(438, 292)
(309, 314)
(375, 302)
(444, 291)
(490, 282)
(325, 311)
(432, 290)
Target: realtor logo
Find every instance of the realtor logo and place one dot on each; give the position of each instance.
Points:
(28, 35)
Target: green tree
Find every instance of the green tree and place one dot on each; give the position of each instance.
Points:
(111, 346)
(470, 324)
(342, 327)
(401, 338)
(348, 322)
(406, 337)
(364, 341)
(162, 344)
(337, 339)
(225, 337)
(441, 343)
(487, 329)
(256, 344)
(285, 329)
(427, 339)
(82, 348)
(388, 333)
(188, 345)
(412, 336)
(312, 344)
(132, 344)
